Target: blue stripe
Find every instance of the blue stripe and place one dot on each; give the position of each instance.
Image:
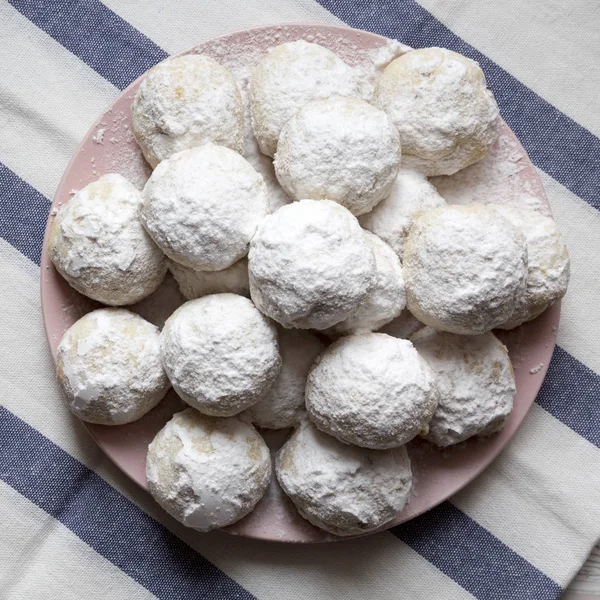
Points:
(95, 34)
(556, 144)
(23, 214)
(105, 520)
(571, 393)
(473, 557)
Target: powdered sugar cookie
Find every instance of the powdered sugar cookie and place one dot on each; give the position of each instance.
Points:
(99, 246)
(386, 298)
(206, 472)
(341, 488)
(548, 263)
(283, 406)
(371, 390)
(465, 268)
(108, 363)
(392, 217)
(288, 77)
(438, 100)
(202, 207)
(342, 149)
(184, 102)
(475, 380)
(310, 265)
(220, 353)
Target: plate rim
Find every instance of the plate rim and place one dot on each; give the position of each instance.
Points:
(552, 313)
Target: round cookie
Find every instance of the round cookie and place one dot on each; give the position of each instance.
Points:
(341, 488)
(475, 380)
(392, 217)
(206, 472)
(220, 353)
(371, 390)
(202, 206)
(465, 268)
(195, 284)
(108, 363)
(342, 149)
(288, 77)
(185, 102)
(387, 297)
(439, 101)
(310, 265)
(99, 246)
(283, 406)
(548, 267)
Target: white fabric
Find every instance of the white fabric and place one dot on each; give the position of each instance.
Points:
(540, 498)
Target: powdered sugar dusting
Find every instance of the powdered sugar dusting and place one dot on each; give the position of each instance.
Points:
(221, 354)
(392, 218)
(500, 178)
(99, 137)
(185, 102)
(122, 154)
(341, 488)
(475, 380)
(438, 99)
(119, 153)
(403, 326)
(342, 149)
(240, 61)
(548, 267)
(386, 298)
(205, 472)
(202, 206)
(289, 77)
(310, 265)
(465, 268)
(195, 284)
(371, 390)
(283, 406)
(126, 266)
(109, 365)
(161, 304)
(382, 56)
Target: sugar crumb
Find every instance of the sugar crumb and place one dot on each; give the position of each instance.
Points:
(99, 137)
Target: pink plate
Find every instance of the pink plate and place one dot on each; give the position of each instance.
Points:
(507, 176)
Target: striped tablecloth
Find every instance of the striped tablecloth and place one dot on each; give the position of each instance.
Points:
(72, 527)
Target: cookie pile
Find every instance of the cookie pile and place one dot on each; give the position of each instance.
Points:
(283, 312)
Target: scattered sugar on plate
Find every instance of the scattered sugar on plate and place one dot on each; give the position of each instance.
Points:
(497, 179)
(99, 137)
